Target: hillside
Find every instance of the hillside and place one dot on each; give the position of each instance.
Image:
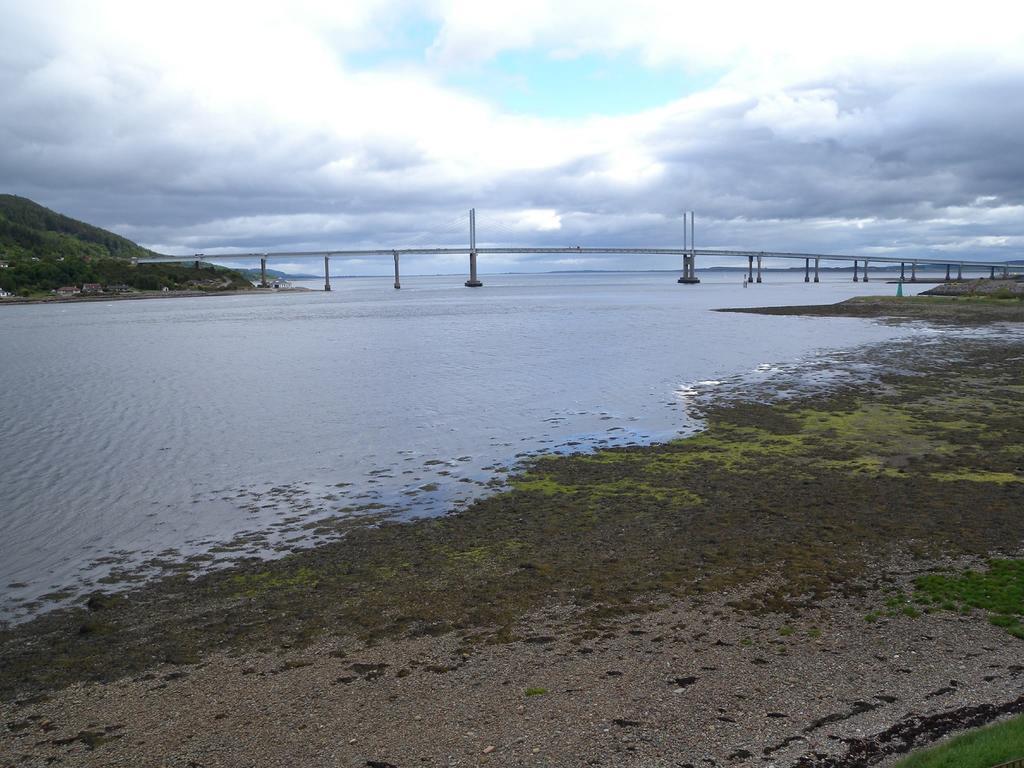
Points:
(29, 229)
(42, 250)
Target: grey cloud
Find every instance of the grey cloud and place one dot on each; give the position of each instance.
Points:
(111, 148)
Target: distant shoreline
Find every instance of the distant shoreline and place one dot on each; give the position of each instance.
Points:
(145, 295)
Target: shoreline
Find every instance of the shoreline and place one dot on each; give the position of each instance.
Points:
(145, 295)
(779, 529)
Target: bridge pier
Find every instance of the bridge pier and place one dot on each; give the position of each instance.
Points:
(398, 282)
(948, 267)
(327, 273)
(263, 272)
(913, 271)
(903, 268)
(959, 271)
(855, 279)
(759, 267)
(750, 269)
(473, 282)
(807, 270)
(865, 270)
(197, 263)
(992, 274)
(817, 262)
(689, 276)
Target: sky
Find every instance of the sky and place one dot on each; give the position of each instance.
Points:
(870, 128)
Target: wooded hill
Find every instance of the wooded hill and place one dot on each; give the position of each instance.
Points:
(44, 250)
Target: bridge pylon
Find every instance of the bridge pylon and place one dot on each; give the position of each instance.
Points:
(689, 276)
(473, 281)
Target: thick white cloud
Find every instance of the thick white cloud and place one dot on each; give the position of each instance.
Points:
(228, 125)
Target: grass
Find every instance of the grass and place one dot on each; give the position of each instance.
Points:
(999, 591)
(983, 748)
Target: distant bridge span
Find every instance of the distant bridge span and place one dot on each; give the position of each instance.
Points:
(688, 254)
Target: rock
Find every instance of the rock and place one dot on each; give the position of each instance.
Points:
(98, 601)
(488, 749)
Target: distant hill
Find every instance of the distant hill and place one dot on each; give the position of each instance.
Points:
(29, 229)
(42, 250)
(254, 275)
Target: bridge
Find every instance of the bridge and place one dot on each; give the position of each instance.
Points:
(688, 253)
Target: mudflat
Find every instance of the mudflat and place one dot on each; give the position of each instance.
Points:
(792, 586)
(958, 310)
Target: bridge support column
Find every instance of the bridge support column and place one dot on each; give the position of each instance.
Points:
(750, 269)
(855, 278)
(992, 274)
(197, 263)
(473, 282)
(263, 272)
(865, 270)
(817, 263)
(689, 276)
(913, 272)
(807, 270)
(948, 267)
(327, 273)
(903, 268)
(959, 271)
(398, 282)
(759, 268)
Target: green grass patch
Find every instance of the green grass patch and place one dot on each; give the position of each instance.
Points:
(983, 748)
(999, 591)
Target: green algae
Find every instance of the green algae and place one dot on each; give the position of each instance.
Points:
(255, 584)
(976, 476)
(591, 491)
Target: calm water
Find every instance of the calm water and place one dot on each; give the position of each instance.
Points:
(142, 431)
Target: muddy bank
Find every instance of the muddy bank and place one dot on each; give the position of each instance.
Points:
(760, 558)
(956, 310)
(994, 287)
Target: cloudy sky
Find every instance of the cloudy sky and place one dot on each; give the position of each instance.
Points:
(892, 128)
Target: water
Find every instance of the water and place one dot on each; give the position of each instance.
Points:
(144, 432)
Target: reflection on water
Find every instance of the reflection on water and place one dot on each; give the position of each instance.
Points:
(154, 431)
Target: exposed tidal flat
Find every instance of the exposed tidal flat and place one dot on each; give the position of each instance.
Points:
(947, 310)
(819, 577)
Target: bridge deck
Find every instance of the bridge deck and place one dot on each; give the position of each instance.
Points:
(555, 250)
